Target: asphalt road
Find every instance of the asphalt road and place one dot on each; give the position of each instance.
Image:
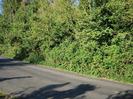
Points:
(33, 82)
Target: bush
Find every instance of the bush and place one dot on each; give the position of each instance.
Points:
(93, 38)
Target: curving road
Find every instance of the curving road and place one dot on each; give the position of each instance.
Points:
(28, 81)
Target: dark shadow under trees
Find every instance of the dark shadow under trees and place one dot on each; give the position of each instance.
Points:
(6, 62)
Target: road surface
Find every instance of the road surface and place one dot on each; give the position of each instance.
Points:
(28, 81)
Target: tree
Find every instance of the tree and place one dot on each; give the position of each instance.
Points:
(93, 37)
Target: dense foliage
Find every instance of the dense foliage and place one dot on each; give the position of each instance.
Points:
(93, 37)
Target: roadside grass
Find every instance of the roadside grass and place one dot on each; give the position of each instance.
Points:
(6, 96)
(2, 95)
(84, 74)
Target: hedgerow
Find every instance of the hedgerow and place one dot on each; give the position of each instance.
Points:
(92, 37)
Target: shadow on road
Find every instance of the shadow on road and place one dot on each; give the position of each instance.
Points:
(5, 60)
(50, 92)
(122, 95)
(12, 78)
(10, 62)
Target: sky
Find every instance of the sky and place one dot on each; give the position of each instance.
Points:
(0, 6)
(77, 2)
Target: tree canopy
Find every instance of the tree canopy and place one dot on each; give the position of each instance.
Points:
(93, 37)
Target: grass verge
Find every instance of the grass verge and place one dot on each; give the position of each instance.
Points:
(2, 95)
(84, 74)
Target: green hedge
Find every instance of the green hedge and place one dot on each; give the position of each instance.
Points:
(92, 38)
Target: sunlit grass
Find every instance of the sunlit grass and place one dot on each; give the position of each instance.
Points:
(2, 96)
